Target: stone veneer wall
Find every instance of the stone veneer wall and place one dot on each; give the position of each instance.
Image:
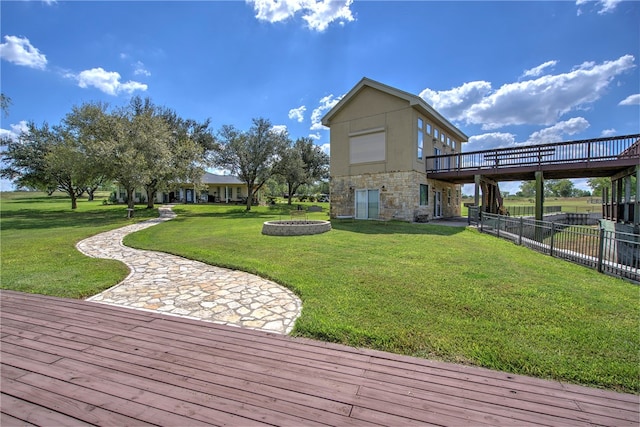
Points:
(400, 198)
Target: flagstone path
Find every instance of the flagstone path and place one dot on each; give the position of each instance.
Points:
(178, 286)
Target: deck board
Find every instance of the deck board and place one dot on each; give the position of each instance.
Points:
(70, 362)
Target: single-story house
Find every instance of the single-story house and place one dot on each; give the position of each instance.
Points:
(212, 188)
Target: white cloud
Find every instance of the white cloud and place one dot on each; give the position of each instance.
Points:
(317, 13)
(20, 51)
(631, 100)
(326, 148)
(541, 101)
(140, 70)
(539, 70)
(555, 133)
(15, 131)
(279, 128)
(490, 140)
(326, 104)
(454, 102)
(107, 81)
(315, 136)
(606, 6)
(297, 113)
(608, 132)
(322, 13)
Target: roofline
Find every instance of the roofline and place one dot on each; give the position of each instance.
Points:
(413, 100)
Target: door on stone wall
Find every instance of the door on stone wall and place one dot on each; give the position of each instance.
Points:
(367, 204)
(437, 204)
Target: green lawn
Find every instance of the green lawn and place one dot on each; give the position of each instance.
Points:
(439, 292)
(429, 291)
(568, 204)
(38, 234)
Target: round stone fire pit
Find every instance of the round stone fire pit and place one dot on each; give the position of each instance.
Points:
(295, 227)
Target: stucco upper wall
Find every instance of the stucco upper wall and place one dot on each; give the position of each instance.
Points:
(373, 110)
(368, 105)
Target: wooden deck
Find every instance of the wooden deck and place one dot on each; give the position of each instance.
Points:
(69, 362)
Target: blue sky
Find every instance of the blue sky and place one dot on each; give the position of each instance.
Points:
(503, 72)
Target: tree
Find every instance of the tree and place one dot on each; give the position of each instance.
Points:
(50, 158)
(252, 155)
(598, 185)
(559, 188)
(191, 144)
(137, 147)
(86, 123)
(302, 163)
(24, 158)
(527, 189)
(5, 102)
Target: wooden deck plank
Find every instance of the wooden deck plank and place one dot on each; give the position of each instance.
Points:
(98, 363)
(32, 414)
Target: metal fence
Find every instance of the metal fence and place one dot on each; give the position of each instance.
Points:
(530, 210)
(612, 252)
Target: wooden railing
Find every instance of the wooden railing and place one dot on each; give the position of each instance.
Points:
(582, 151)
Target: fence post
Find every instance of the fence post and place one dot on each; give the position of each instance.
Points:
(481, 221)
(553, 234)
(601, 250)
(521, 231)
(499, 225)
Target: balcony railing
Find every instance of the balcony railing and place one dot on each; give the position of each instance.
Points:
(582, 151)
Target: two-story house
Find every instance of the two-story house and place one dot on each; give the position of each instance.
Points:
(379, 138)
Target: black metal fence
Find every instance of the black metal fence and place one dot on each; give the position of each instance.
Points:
(612, 252)
(531, 210)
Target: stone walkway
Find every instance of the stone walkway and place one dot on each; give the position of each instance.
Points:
(173, 285)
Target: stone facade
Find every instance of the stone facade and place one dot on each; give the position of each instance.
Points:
(399, 195)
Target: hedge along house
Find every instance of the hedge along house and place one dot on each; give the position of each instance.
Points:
(379, 137)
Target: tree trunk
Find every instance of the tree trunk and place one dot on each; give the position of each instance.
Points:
(130, 201)
(74, 200)
(249, 196)
(151, 195)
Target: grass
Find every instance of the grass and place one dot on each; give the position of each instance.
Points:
(430, 291)
(568, 204)
(38, 234)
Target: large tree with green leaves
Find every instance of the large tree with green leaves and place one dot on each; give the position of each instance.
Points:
(191, 144)
(302, 163)
(136, 146)
(60, 157)
(598, 185)
(251, 155)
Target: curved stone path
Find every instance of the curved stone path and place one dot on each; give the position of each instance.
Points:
(174, 285)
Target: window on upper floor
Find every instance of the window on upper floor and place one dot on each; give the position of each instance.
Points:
(436, 161)
(367, 147)
(420, 138)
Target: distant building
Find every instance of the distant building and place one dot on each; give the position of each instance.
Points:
(212, 188)
(379, 137)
